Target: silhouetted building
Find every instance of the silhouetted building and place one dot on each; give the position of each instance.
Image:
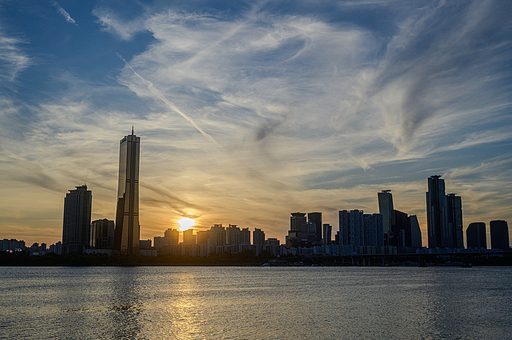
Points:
(144, 244)
(12, 245)
(102, 234)
(189, 237)
(127, 229)
(232, 235)
(173, 235)
(359, 232)
(499, 235)
(439, 234)
(77, 220)
(454, 220)
(351, 230)
(245, 236)
(202, 237)
(399, 229)
(294, 237)
(476, 236)
(385, 209)
(258, 237)
(217, 237)
(316, 218)
(327, 234)
(415, 232)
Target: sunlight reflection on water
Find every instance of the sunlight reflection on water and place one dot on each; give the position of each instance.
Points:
(255, 303)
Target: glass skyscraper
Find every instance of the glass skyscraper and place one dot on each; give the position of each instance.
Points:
(127, 232)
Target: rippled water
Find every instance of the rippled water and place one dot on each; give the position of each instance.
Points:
(255, 303)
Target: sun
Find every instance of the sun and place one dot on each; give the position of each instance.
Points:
(185, 223)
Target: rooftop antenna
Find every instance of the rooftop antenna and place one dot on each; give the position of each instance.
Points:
(132, 129)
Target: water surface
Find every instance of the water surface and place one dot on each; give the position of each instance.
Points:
(256, 303)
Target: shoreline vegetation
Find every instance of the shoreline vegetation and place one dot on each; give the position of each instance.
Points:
(248, 258)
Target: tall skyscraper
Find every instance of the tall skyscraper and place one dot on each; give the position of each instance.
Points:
(438, 232)
(499, 235)
(127, 234)
(326, 240)
(316, 218)
(415, 232)
(475, 235)
(386, 209)
(77, 220)
(454, 220)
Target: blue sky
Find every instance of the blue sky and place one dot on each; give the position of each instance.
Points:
(250, 111)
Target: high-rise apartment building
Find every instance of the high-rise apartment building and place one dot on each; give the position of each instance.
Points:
(415, 232)
(77, 220)
(127, 233)
(438, 233)
(499, 235)
(476, 236)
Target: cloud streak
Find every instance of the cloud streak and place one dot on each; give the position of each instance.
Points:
(65, 14)
(170, 104)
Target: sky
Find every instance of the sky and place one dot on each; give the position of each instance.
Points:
(251, 110)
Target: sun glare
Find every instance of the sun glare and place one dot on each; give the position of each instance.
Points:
(185, 223)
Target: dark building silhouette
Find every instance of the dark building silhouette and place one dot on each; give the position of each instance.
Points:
(400, 231)
(438, 233)
(77, 220)
(102, 234)
(127, 229)
(415, 232)
(294, 237)
(476, 236)
(316, 218)
(386, 209)
(327, 234)
(499, 235)
(454, 220)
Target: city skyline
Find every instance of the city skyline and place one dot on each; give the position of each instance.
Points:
(254, 110)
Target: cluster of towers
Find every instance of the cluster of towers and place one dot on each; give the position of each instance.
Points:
(358, 232)
(78, 232)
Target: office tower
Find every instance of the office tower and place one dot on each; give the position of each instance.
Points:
(415, 232)
(385, 209)
(77, 220)
(127, 231)
(475, 235)
(499, 235)
(438, 233)
(102, 234)
(454, 220)
(316, 218)
(327, 231)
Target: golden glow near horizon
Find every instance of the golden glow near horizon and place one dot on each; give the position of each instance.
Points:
(185, 223)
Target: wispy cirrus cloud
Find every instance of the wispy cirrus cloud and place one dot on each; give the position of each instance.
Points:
(12, 58)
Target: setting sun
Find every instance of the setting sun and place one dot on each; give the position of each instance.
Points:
(185, 223)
